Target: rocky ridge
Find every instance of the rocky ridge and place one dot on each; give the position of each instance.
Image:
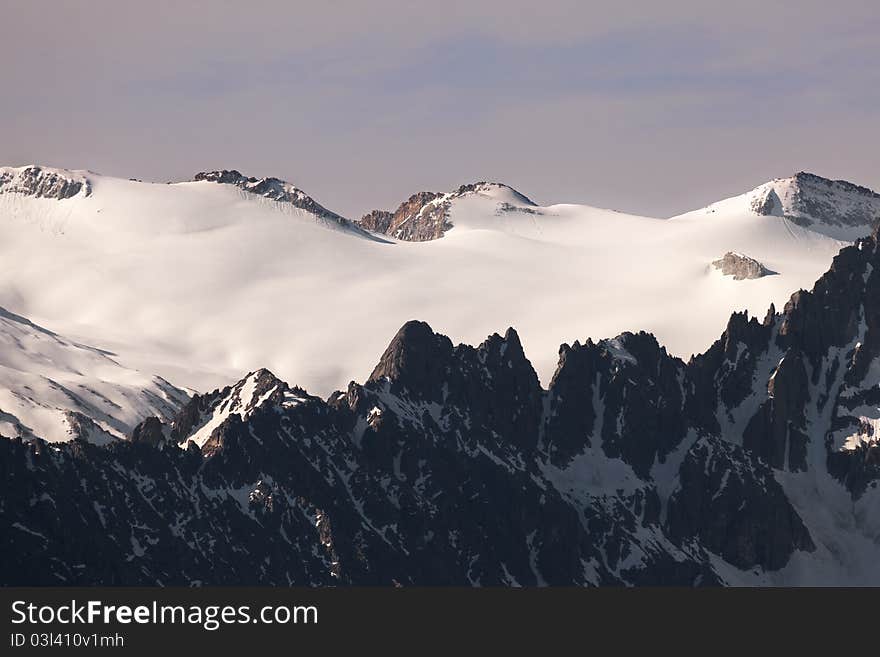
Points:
(43, 182)
(280, 191)
(424, 216)
(833, 206)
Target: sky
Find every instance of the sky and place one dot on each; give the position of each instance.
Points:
(646, 107)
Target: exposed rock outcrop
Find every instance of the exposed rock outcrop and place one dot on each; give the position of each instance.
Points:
(278, 190)
(378, 221)
(424, 216)
(271, 188)
(832, 206)
(741, 267)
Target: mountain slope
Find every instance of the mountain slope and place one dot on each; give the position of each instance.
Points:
(281, 192)
(199, 281)
(58, 390)
(836, 208)
(752, 463)
(44, 182)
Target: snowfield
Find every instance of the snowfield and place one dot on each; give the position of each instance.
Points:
(56, 389)
(200, 281)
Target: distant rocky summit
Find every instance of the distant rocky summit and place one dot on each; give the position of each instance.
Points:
(420, 218)
(280, 191)
(424, 216)
(271, 188)
(815, 202)
(740, 266)
(43, 182)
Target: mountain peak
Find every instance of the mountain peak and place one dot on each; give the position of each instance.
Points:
(424, 216)
(206, 414)
(498, 190)
(805, 177)
(272, 188)
(281, 191)
(44, 182)
(415, 357)
(837, 208)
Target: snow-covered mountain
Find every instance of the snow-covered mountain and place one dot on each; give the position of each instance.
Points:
(44, 182)
(58, 390)
(199, 281)
(836, 208)
(282, 192)
(753, 463)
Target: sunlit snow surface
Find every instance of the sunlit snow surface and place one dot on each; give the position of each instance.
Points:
(200, 282)
(45, 378)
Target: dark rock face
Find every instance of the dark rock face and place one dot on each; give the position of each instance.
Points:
(151, 431)
(424, 216)
(724, 376)
(131, 513)
(775, 432)
(741, 267)
(415, 362)
(430, 473)
(43, 183)
(640, 417)
(451, 464)
(730, 501)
